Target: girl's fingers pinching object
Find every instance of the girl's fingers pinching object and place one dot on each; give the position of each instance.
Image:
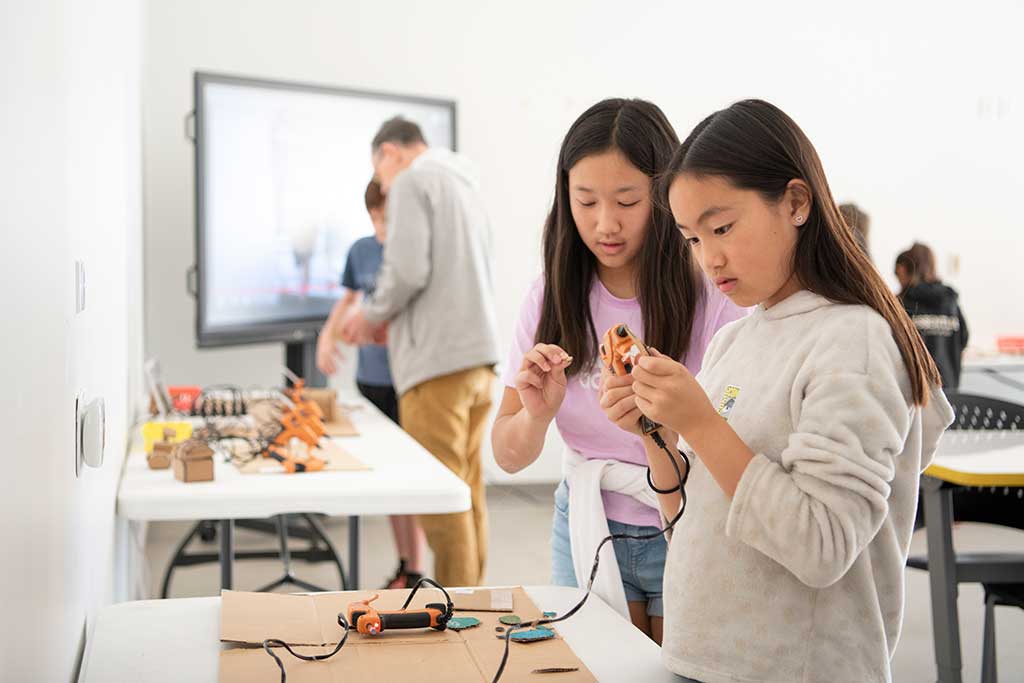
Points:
(554, 354)
(537, 358)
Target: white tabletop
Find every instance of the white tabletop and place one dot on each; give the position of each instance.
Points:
(179, 640)
(1000, 377)
(987, 457)
(404, 479)
(995, 361)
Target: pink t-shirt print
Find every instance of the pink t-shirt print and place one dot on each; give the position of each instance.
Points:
(580, 420)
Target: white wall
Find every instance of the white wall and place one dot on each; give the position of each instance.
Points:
(70, 131)
(916, 113)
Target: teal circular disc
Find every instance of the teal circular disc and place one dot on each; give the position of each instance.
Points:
(532, 635)
(460, 623)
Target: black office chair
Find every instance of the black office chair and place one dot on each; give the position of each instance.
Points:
(983, 412)
(1003, 505)
(1008, 594)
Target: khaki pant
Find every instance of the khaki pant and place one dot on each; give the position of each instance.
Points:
(447, 416)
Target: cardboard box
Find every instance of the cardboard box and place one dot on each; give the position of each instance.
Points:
(310, 622)
(193, 461)
(335, 421)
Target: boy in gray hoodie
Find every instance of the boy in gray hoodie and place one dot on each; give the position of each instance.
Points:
(435, 292)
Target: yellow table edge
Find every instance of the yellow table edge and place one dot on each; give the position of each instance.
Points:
(975, 479)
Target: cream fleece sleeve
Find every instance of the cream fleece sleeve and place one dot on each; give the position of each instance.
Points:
(816, 506)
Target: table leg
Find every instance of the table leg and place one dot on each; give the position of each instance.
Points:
(938, 515)
(353, 551)
(227, 552)
(317, 528)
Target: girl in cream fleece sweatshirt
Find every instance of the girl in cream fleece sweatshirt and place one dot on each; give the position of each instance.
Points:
(807, 427)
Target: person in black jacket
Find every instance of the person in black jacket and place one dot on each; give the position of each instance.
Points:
(935, 310)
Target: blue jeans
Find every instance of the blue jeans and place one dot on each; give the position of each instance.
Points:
(641, 563)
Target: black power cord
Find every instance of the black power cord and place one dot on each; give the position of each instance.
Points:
(450, 607)
(597, 555)
(270, 642)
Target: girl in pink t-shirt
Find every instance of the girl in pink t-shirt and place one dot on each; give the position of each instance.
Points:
(611, 255)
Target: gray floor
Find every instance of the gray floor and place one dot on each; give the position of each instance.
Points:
(520, 520)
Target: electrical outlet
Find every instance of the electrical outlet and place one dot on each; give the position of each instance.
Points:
(90, 432)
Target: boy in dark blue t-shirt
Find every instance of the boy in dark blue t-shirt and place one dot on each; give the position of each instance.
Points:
(373, 372)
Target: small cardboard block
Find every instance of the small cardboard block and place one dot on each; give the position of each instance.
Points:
(338, 460)
(309, 624)
(483, 600)
(163, 452)
(325, 399)
(160, 458)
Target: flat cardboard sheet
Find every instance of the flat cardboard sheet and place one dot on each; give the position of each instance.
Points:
(310, 622)
(338, 460)
(482, 599)
(340, 425)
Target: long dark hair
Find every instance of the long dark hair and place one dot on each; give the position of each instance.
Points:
(919, 264)
(756, 146)
(665, 277)
(924, 262)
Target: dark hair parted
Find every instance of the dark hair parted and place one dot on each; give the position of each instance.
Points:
(667, 283)
(755, 146)
(399, 131)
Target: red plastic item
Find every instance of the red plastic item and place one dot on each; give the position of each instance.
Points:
(184, 397)
(1010, 345)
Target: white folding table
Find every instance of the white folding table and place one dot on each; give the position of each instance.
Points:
(404, 479)
(154, 641)
(965, 458)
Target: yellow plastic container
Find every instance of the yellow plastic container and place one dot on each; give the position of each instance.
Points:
(154, 431)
